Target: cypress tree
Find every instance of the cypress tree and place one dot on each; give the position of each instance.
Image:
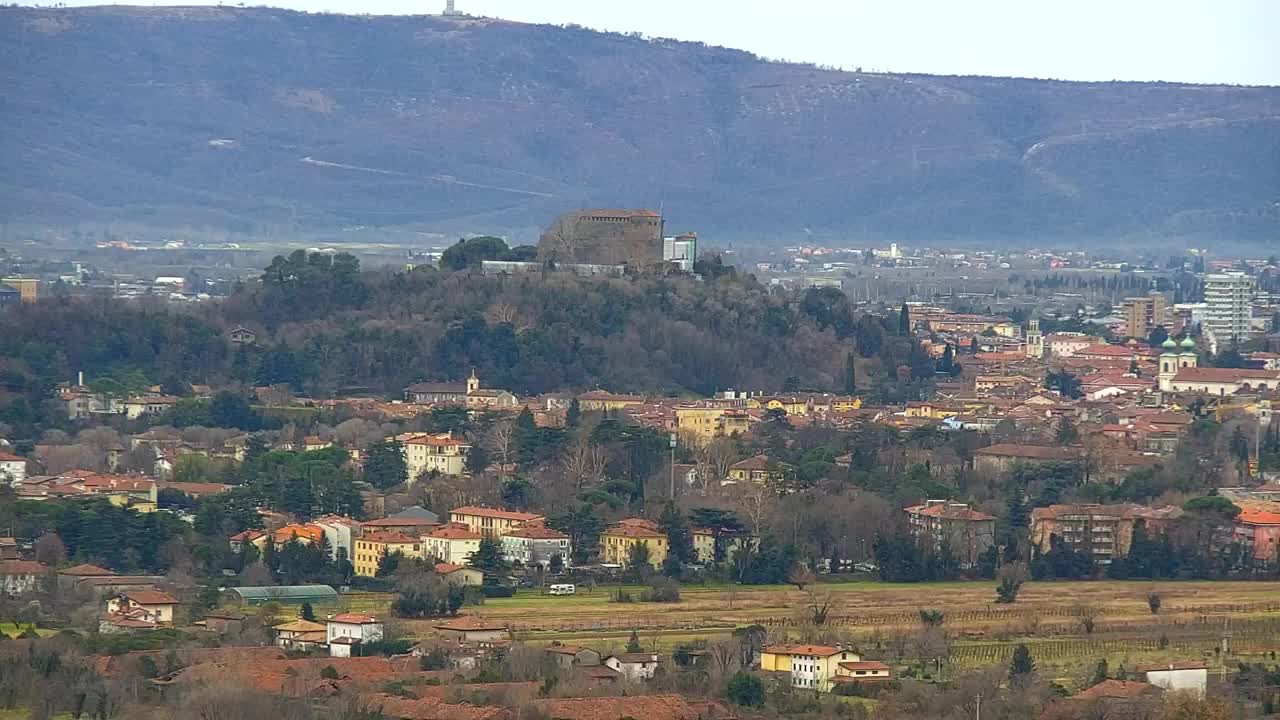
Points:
(850, 375)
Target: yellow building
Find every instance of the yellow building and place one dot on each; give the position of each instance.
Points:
(617, 541)
(790, 405)
(29, 288)
(491, 522)
(813, 667)
(700, 425)
(846, 404)
(369, 550)
(424, 453)
(929, 410)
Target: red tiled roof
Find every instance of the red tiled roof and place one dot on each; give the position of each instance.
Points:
(1037, 452)
(150, 597)
(86, 570)
(6, 457)
(1224, 375)
(634, 531)
(636, 707)
(537, 532)
(22, 567)
(818, 650)
(947, 510)
(864, 665)
(354, 618)
(453, 533)
(446, 568)
(494, 513)
(1117, 689)
(388, 536)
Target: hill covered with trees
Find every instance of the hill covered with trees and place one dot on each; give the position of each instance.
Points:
(269, 122)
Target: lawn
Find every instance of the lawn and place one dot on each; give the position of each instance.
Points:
(13, 631)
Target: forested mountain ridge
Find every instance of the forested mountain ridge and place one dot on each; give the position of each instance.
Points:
(270, 121)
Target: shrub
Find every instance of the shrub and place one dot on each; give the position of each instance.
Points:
(746, 690)
(663, 590)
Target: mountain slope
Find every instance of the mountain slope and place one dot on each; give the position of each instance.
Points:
(252, 118)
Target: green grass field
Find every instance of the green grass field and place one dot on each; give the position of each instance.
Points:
(14, 631)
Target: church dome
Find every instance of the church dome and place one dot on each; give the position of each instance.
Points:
(1169, 344)
(1188, 343)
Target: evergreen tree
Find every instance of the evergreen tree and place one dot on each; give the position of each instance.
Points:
(388, 563)
(638, 557)
(1022, 663)
(633, 643)
(270, 557)
(1100, 672)
(488, 558)
(478, 459)
(850, 375)
(1067, 433)
(746, 690)
(904, 319)
(679, 540)
(947, 364)
(573, 415)
(525, 437)
(384, 464)
(307, 612)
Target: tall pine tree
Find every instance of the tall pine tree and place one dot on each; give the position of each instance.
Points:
(850, 375)
(904, 319)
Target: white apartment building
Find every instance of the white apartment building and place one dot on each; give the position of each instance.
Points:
(1228, 299)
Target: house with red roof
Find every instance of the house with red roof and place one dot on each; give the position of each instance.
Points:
(21, 576)
(491, 522)
(965, 531)
(348, 630)
(146, 605)
(13, 469)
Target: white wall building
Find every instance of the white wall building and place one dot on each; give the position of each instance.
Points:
(13, 469)
(348, 629)
(535, 545)
(1191, 676)
(1228, 299)
(339, 531)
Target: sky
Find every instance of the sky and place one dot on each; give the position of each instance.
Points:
(1201, 41)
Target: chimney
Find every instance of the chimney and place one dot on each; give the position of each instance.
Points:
(80, 379)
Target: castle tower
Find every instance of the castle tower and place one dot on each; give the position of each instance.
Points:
(473, 382)
(1035, 341)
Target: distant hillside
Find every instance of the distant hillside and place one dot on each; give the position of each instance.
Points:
(270, 120)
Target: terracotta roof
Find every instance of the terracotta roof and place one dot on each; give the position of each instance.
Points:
(85, 571)
(150, 597)
(634, 531)
(22, 567)
(636, 707)
(353, 618)
(1258, 516)
(1224, 375)
(864, 665)
(634, 657)
(453, 533)
(950, 511)
(1036, 452)
(494, 513)
(194, 489)
(299, 625)
(388, 537)
(537, 532)
(1117, 689)
(6, 457)
(436, 441)
(818, 650)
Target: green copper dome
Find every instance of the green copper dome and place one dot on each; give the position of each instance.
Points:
(1169, 344)
(1188, 343)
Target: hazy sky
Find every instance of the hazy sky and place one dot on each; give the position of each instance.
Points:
(1229, 41)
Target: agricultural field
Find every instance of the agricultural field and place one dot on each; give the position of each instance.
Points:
(881, 618)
